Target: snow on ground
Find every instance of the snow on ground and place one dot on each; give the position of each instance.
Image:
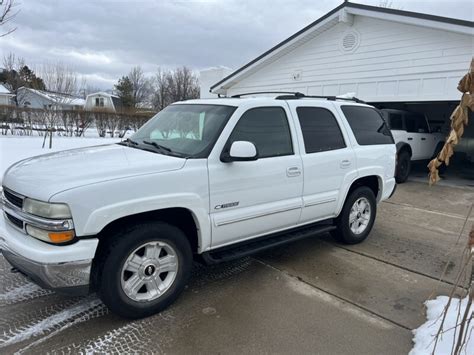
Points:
(424, 336)
(15, 148)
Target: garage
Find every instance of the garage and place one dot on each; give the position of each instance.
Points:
(402, 62)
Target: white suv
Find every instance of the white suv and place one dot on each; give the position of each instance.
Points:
(208, 180)
(413, 137)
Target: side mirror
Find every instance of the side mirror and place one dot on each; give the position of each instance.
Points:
(240, 151)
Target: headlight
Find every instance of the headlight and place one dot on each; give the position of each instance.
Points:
(46, 210)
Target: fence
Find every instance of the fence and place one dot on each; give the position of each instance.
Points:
(27, 121)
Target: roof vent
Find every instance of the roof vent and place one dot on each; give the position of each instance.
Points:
(350, 41)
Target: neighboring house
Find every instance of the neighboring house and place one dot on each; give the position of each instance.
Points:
(6, 97)
(40, 99)
(103, 100)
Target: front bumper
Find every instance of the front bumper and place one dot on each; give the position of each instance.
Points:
(65, 268)
(70, 278)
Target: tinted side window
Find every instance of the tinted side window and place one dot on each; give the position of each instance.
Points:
(368, 125)
(320, 129)
(267, 128)
(396, 121)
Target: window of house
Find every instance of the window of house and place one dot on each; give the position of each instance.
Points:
(368, 125)
(267, 128)
(320, 129)
(99, 102)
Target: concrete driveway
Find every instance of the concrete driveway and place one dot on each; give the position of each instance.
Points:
(313, 296)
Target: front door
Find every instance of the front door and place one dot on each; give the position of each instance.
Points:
(252, 198)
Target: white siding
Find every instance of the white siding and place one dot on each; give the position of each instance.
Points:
(393, 62)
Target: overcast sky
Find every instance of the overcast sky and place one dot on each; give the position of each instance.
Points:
(103, 39)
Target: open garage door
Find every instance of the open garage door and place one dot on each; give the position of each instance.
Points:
(461, 168)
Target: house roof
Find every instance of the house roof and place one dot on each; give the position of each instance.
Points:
(102, 93)
(347, 8)
(62, 99)
(5, 91)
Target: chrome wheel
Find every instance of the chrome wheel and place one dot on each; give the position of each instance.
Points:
(359, 217)
(149, 271)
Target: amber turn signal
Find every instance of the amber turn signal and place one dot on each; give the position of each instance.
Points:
(61, 237)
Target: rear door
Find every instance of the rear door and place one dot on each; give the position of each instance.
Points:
(328, 159)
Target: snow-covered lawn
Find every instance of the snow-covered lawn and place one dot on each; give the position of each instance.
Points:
(15, 148)
(424, 338)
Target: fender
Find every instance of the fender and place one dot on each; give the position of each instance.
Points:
(99, 218)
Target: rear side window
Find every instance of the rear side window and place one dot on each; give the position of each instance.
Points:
(368, 125)
(267, 128)
(320, 129)
(416, 123)
(395, 121)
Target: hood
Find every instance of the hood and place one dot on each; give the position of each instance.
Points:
(45, 175)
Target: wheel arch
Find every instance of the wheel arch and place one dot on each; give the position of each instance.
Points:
(374, 182)
(403, 146)
(180, 217)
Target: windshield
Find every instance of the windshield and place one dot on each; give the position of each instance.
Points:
(186, 130)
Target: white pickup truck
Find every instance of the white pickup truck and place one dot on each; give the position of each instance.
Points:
(207, 180)
(414, 139)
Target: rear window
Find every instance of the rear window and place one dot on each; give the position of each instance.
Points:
(368, 125)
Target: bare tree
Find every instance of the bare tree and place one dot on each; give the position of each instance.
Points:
(140, 85)
(7, 14)
(62, 83)
(171, 86)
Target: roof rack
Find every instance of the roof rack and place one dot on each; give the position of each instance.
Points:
(291, 95)
(294, 94)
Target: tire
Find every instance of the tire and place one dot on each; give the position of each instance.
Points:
(344, 233)
(131, 281)
(403, 167)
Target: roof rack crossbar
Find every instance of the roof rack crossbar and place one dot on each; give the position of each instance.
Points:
(296, 94)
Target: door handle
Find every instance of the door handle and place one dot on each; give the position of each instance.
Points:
(345, 163)
(293, 171)
(423, 139)
(410, 138)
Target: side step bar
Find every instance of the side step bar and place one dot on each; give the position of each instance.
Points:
(253, 246)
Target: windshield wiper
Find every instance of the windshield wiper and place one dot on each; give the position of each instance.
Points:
(166, 149)
(128, 141)
(160, 147)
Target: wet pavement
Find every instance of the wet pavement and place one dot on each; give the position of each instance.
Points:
(312, 296)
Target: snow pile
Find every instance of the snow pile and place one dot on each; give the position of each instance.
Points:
(424, 338)
(15, 148)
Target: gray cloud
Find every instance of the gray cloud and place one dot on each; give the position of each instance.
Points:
(102, 40)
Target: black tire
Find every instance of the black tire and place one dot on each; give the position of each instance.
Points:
(403, 167)
(343, 233)
(115, 254)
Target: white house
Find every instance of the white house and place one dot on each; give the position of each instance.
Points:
(381, 54)
(39, 99)
(103, 100)
(387, 57)
(5, 96)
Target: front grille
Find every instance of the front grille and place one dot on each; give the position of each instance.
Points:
(15, 221)
(13, 199)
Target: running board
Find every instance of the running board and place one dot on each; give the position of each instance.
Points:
(253, 246)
